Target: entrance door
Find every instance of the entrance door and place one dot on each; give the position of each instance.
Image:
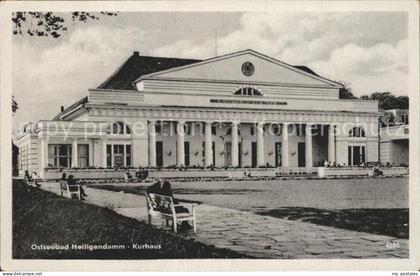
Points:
(254, 154)
(301, 155)
(187, 153)
(277, 147)
(118, 156)
(228, 154)
(356, 155)
(213, 146)
(159, 153)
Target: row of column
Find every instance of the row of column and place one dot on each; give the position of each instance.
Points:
(208, 150)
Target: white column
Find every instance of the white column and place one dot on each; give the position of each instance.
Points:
(235, 141)
(103, 145)
(124, 156)
(152, 144)
(285, 145)
(91, 152)
(260, 144)
(308, 146)
(74, 156)
(180, 144)
(208, 147)
(331, 143)
(43, 155)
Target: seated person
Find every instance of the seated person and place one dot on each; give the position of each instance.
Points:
(33, 178)
(71, 181)
(27, 177)
(127, 176)
(247, 173)
(162, 187)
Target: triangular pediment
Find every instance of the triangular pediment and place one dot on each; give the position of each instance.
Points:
(246, 66)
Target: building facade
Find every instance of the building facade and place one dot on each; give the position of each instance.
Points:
(394, 137)
(243, 109)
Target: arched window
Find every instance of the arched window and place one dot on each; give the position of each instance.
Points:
(119, 128)
(357, 132)
(248, 91)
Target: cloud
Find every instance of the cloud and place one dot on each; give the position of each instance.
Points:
(368, 50)
(382, 67)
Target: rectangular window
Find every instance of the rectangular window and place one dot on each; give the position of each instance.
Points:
(83, 156)
(128, 155)
(59, 156)
(252, 131)
(109, 155)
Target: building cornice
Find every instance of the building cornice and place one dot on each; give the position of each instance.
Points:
(191, 113)
(279, 84)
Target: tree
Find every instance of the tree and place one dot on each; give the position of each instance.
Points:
(387, 100)
(48, 23)
(402, 102)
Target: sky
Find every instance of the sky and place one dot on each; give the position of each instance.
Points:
(366, 50)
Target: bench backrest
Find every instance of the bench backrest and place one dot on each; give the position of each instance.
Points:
(160, 203)
(63, 185)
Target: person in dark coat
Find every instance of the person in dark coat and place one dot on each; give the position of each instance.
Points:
(162, 187)
(71, 181)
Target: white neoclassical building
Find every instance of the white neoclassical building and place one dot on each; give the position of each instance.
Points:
(243, 109)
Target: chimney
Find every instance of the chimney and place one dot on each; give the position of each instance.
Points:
(62, 108)
(136, 53)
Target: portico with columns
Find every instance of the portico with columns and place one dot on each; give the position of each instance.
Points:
(244, 109)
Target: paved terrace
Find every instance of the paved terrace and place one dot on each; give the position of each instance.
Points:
(256, 235)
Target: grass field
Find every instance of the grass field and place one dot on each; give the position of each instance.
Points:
(377, 206)
(42, 218)
(390, 222)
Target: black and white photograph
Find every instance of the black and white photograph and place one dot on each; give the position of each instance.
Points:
(211, 134)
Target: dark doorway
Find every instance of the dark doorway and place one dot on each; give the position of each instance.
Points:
(301, 155)
(159, 153)
(213, 146)
(187, 153)
(356, 155)
(228, 154)
(254, 154)
(277, 147)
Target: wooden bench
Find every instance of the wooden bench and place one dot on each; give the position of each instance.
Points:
(72, 191)
(165, 207)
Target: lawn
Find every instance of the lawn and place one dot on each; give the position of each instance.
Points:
(42, 218)
(390, 222)
(378, 206)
